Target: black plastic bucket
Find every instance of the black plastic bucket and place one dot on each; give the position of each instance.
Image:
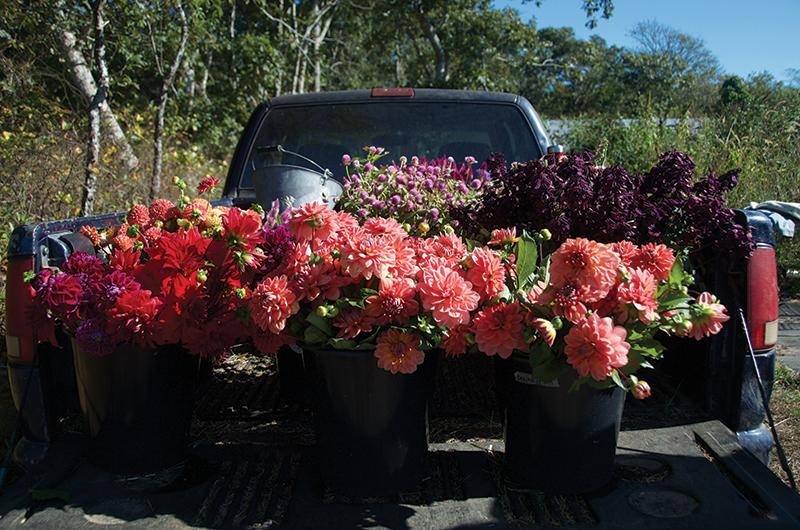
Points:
(557, 441)
(138, 406)
(372, 425)
(295, 376)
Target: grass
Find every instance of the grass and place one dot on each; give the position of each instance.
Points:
(785, 404)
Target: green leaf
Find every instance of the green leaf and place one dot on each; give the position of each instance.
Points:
(320, 323)
(676, 273)
(313, 335)
(616, 378)
(28, 276)
(527, 258)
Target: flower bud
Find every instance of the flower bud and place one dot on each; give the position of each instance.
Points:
(424, 227)
(557, 322)
(641, 390)
(333, 311)
(241, 292)
(202, 276)
(322, 311)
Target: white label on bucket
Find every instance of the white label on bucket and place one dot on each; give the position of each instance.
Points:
(527, 379)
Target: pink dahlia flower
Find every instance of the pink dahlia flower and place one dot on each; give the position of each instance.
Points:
(395, 302)
(486, 273)
(626, 251)
(658, 259)
(708, 316)
(380, 226)
(637, 297)
(503, 236)
(272, 303)
(456, 342)
(499, 329)
(351, 323)
(313, 221)
(566, 301)
(641, 390)
(447, 295)
(398, 352)
(447, 246)
(589, 264)
(365, 255)
(595, 346)
(545, 329)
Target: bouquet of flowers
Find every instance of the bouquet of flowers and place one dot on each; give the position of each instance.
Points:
(367, 284)
(590, 307)
(417, 193)
(170, 274)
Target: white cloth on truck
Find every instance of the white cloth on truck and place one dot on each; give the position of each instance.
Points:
(783, 214)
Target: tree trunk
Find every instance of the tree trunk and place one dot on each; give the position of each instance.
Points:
(441, 72)
(84, 81)
(161, 109)
(93, 147)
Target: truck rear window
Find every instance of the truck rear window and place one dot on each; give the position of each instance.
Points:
(324, 133)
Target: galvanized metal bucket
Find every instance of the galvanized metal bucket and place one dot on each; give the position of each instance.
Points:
(294, 185)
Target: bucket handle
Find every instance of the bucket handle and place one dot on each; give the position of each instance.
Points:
(326, 173)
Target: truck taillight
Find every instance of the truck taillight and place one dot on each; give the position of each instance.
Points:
(762, 298)
(20, 335)
(392, 93)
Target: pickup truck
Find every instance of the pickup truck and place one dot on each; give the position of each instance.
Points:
(695, 459)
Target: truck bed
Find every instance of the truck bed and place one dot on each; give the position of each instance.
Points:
(252, 466)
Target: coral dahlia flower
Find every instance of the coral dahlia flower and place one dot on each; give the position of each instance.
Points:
(313, 221)
(589, 264)
(626, 251)
(566, 301)
(503, 236)
(658, 259)
(365, 256)
(595, 346)
(486, 273)
(398, 352)
(272, 303)
(708, 316)
(395, 302)
(499, 329)
(380, 226)
(637, 297)
(456, 342)
(447, 295)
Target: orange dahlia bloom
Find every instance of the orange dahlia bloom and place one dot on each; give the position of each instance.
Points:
(447, 295)
(398, 352)
(499, 329)
(595, 346)
(272, 303)
(591, 265)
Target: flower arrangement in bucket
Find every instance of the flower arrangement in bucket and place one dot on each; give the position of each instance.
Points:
(372, 304)
(163, 289)
(593, 285)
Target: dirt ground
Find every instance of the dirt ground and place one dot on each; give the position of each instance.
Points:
(785, 406)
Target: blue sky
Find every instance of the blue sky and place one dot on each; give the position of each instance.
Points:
(746, 35)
